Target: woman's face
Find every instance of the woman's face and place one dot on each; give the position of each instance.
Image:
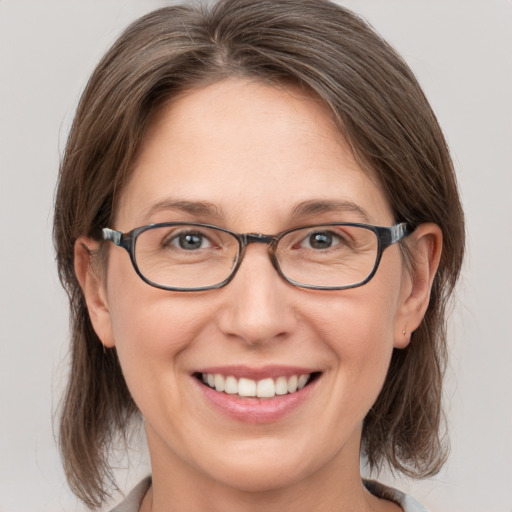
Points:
(251, 158)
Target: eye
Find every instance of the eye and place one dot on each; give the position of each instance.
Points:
(190, 241)
(321, 240)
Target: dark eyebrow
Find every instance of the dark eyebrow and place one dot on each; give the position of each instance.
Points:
(200, 208)
(316, 207)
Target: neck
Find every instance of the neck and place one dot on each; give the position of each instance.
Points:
(335, 486)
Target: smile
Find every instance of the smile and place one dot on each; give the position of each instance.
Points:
(256, 395)
(264, 388)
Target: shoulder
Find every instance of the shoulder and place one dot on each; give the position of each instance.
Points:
(134, 499)
(408, 503)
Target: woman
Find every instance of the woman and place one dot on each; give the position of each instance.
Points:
(258, 226)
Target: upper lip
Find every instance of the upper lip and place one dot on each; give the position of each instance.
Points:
(257, 373)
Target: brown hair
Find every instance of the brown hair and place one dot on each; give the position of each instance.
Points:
(386, 119)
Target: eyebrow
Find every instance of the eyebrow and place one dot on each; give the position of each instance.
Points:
(316, 207)
(304, 209)
(199, 208)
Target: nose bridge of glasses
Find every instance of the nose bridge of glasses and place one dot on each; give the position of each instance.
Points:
(257, 238)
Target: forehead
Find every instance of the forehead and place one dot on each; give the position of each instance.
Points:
(252, 152)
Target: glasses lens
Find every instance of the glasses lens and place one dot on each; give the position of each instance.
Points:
(186, 256)
(328, 256)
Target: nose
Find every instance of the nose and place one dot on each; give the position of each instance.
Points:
(258, 303)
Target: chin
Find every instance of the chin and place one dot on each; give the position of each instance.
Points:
(264, 478)
(265, 469)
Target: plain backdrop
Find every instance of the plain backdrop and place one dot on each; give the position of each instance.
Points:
(461, 53)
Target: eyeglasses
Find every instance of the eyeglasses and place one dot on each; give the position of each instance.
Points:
(192, 257)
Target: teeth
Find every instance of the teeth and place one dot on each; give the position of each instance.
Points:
(231, 386)
(247, 387)
(219, 382)
(302, 381)
(265, 388)
(292, 384)
(281, 386)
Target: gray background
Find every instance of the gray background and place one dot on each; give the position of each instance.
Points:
(461, 52)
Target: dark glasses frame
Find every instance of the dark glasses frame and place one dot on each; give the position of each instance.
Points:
(386, 236)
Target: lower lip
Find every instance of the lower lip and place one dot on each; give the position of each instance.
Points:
(256, 410)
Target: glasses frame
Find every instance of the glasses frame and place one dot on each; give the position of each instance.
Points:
(386, 236)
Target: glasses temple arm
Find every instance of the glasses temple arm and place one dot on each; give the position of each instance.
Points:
(114, 236)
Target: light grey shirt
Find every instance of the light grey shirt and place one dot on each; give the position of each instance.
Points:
(134, 499)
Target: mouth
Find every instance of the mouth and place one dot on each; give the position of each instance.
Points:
(268, 387)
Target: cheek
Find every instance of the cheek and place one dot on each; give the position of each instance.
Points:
(363, 343)
(359, 328)
(151, 327)
(358, 322)
(153, 340)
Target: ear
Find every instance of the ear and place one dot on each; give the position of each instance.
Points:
(425, 246)
(93, 289)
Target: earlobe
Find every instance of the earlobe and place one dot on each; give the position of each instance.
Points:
(93, 289)
(425, 247)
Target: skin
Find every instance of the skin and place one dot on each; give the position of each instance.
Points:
(254, 152)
